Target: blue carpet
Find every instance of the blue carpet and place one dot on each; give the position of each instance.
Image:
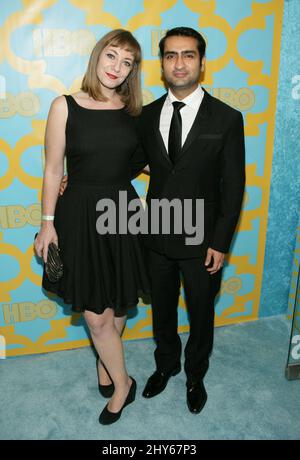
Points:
(55, 395)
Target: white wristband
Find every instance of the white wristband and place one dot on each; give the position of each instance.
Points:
(47, 217)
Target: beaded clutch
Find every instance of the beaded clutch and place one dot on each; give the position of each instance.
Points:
(54, 265)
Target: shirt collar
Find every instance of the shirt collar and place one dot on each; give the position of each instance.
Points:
(192, 100)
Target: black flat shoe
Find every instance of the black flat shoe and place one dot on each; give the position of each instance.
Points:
(158, 382)
(105, 390)
(107, 418)
(196, 397)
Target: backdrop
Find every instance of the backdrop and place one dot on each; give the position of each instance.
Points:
(294, 309)
(45, 45)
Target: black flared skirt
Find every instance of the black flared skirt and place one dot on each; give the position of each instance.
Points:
(100, 270)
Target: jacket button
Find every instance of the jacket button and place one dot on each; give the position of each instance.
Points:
(173, 171)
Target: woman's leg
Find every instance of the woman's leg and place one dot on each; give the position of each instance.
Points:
(104, 378)
(109, 346)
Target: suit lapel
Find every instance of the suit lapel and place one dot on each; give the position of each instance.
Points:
(199, 126)
(157, 134)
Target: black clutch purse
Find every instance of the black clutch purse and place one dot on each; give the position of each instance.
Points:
(53, 267)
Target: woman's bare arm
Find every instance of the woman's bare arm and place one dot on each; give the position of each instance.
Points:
(55, 144)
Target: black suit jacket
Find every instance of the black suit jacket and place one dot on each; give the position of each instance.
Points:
(211, 166)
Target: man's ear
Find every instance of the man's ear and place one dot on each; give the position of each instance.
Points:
(203, 62)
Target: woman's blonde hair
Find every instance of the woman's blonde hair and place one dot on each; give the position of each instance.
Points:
(130, 89)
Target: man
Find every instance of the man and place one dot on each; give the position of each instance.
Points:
(195, 150)
(209, 164)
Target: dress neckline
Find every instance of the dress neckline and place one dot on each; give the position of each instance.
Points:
(96, 110)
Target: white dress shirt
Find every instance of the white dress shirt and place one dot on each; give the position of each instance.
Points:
(188, 113)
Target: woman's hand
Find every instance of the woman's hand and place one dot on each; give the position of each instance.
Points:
(46, 235)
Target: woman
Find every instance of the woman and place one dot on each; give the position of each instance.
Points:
(103, 273)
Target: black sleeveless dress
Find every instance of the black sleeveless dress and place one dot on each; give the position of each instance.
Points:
(100, 270)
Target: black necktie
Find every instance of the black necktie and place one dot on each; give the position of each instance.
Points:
(174, 143)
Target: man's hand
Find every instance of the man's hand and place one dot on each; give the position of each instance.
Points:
(63, 185)
(215, 257)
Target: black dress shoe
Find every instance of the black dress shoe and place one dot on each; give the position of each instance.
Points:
(105, 390)
(196, 397)
(107, 418)
(158, 382)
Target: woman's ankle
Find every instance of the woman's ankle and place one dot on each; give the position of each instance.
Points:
(103, 376)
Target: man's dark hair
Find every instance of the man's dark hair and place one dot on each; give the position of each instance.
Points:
(184, 32)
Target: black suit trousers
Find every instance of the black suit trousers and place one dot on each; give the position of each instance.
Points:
(200, 289)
